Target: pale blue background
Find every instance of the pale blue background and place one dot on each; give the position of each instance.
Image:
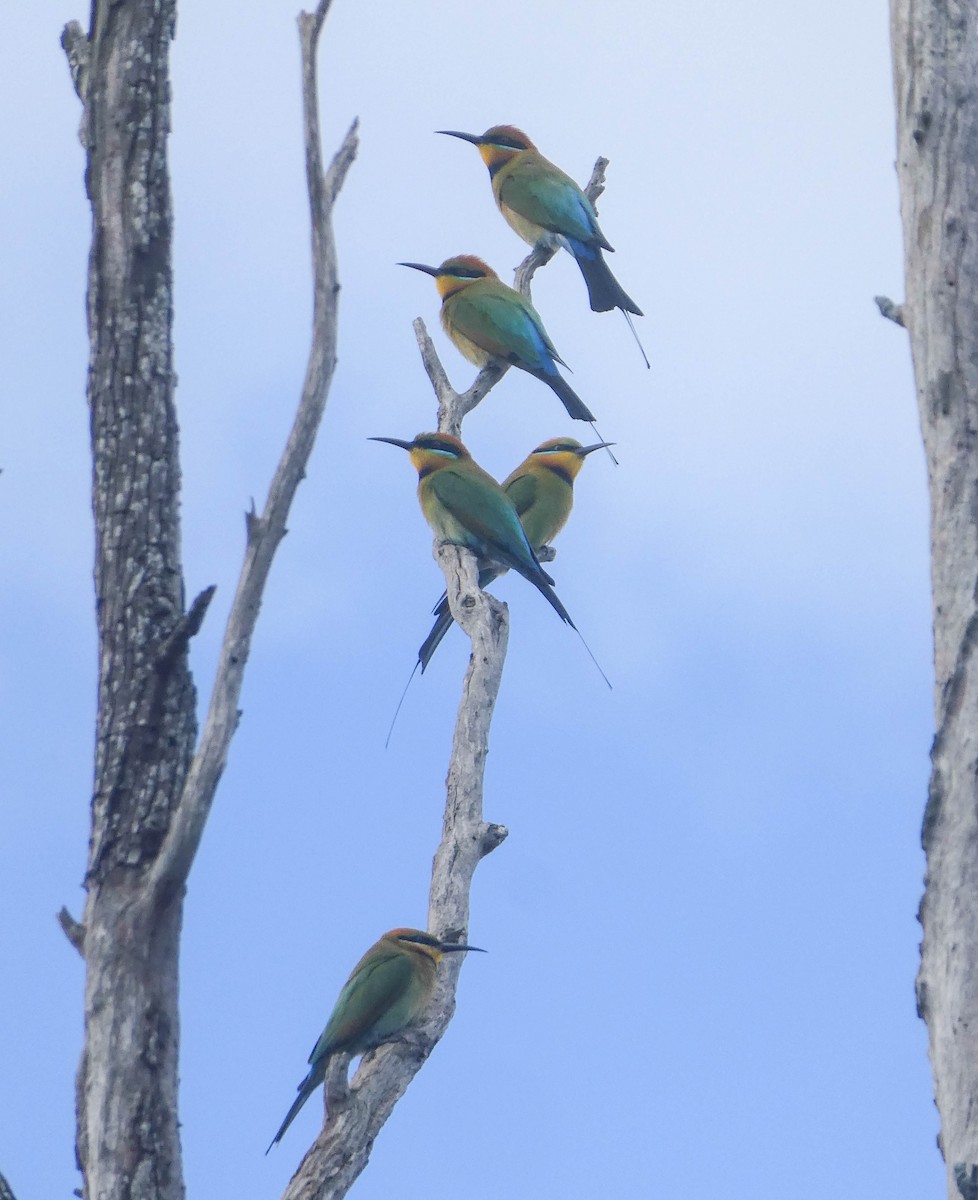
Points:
(702, 930)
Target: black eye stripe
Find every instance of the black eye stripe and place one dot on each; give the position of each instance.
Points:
(437, 444)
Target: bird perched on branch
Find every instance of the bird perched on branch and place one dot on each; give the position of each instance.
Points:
(542, 491)
(487, 319)
(540, 202)
(387, 991)
(465, 506)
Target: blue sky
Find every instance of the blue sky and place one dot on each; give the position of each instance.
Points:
(702, 928)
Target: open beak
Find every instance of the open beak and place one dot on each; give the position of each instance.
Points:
(421, 267)
(474, 138)
(393, 442)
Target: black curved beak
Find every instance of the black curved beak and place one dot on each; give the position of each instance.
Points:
(474, 138)
(421, 267)
(393, 442)
(585, 450)
(447, 947)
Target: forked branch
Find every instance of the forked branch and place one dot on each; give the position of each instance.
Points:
(357, 1114)
(454, 406)
(265, 531)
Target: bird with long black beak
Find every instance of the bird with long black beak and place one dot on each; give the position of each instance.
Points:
(541, 202)
(487, 319)
(388, 990)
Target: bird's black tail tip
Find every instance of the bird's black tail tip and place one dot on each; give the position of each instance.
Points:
(603, 289)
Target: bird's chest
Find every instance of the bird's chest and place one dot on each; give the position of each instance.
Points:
(448, 528)
(472, 350)
(529, 231)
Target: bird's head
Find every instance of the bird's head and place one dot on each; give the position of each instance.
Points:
(564, 456)
(497, 145)
(455, 273)
(429, 452)
(417, 941)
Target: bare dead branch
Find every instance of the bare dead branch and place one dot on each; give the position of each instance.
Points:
(890, 309)
(74, 931)
(466, 838)
(78, 51)
(6, 1192)
(75, 43)
(596, 184)
(266, 531)
(454, 406)
(186, 628)
(342, 1149)
(432, 363)
(357, 1115)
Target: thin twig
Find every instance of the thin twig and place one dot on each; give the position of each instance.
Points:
(78, 49)
(890, 309)
(186, 628)
(266, 531)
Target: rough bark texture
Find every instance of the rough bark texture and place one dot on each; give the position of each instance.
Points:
(152, 794)
(127, 1134)
(935, 52)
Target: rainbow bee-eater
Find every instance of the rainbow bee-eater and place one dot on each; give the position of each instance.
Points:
(542, 491)
(465, 506)
(487, 319)
(387, 991)
(541, 202)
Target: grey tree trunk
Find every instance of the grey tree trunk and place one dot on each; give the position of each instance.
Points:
(127, 1135)
(935, 56)
(153, 789)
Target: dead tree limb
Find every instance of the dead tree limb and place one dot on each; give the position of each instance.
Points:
(357, 1114)
(152, 793)
(935, 62)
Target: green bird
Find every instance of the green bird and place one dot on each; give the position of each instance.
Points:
(488, 320)
(465, 506)
(387, 991)
(541, 202)
(542, 491)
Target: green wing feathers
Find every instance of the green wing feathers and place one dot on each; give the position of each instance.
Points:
(369, 992)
